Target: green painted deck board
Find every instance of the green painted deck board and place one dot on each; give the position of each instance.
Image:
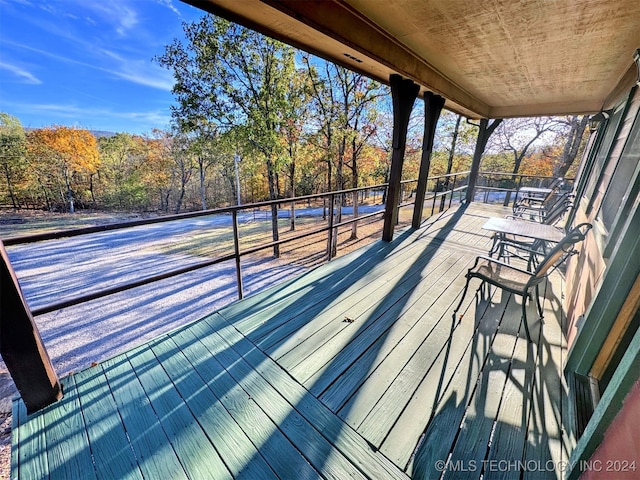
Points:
(107, 437)
(426, 359)
(392, 350)
(341, 342)
(546, 444)
(429, 325)
(279, 386)
(340, 435)
(509, 437)
(376, 282)
(476, 427)
(276, 398)
(187, 437)
(276, 449)
(29, 462)
(148, 440)
(403, 437)
(228, 438)
(68, 452)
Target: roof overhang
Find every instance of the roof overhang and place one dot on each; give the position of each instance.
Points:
(487, 59)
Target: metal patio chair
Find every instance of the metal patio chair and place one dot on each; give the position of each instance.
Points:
(519, 281)
(525, 248)
(540, 210)
(529, 199)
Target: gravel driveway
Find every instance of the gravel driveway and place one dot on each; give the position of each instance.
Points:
(77, 336)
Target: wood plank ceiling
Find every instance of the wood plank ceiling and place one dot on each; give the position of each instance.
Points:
(494, 59)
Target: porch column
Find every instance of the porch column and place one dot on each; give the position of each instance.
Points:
(484, 132)
(21, 346)
(403, 94)
(432, 107)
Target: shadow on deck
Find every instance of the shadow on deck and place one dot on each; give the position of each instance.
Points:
(355, 369)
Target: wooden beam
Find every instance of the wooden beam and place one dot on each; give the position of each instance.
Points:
(21, 346)
(484, 132)
(404, 94)
(433, 105)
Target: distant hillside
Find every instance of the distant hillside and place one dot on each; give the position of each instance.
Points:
(102, 133)
(95, 133)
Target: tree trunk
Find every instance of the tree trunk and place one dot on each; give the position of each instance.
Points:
(271, 177)
(450, 161)
(203, 195)
(292, 172)
(485, 130)
(354, 184)
(67, 182)
(572, 145)
(10, 187)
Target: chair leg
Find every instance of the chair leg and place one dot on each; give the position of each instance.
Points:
(524, 318)
(540, 311)
(464, 294)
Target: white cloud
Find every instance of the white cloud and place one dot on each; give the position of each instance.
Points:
(170, 6)
(27, 77)
(142, 72)
(101, 118)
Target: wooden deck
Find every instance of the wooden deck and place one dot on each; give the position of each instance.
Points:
(354, 370)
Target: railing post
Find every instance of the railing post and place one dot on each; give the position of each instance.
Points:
(330, 231)
(453, 188)
(435, 196)
(236, 249)
(21, 346)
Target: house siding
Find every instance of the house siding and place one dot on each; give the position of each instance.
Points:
(585, 271)
(618, 455)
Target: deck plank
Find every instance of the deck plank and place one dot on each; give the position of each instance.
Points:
(393, 350)
(107, 437)
(452, 357)
(28, 443)
(348, 340)
(283, 457)
(389, 388)
(340, 284)
(248, 314)
(236, 450)
(509, 437)
(337, 306)
(68, 452)
(269, 381)
(472, 444)
(304, 434)
(448, 414)
(187, 437)
(152, 447)
(545, 441)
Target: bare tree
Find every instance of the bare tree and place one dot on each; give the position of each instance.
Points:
(574, 140)
(518, 135)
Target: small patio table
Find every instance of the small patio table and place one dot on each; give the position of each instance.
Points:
(535, 192)
(521, 228)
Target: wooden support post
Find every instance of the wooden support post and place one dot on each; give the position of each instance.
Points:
(21, 346)
(432, 107)
(484, 132)
(404, 94)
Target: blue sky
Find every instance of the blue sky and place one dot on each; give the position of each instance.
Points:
(88, 63)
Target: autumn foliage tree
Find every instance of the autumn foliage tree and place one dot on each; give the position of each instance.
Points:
(12, 150)
(68, 158)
